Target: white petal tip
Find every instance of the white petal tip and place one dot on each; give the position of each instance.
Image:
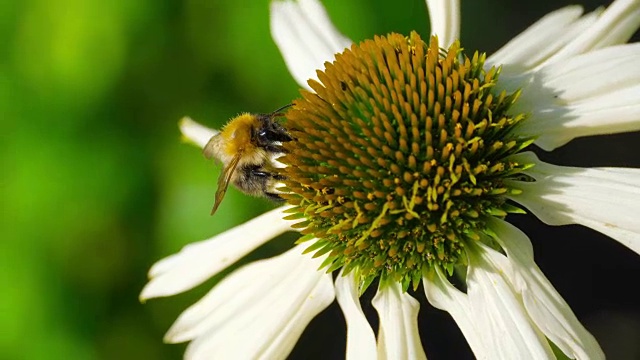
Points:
(146, 294)
(155, 289)
(194, 133)
(175, 336)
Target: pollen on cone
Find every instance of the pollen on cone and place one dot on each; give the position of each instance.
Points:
(399, 153)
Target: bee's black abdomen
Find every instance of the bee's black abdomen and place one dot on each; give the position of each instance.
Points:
(256, 180)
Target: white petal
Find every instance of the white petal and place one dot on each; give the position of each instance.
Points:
(444, 16)
(541, 40)
(615, 112)
(590, 75)
(501, 318)
(545, 306)
(195, 133)
(615, 26)
(305, 36)
(398, 336)
(591, 94)
(562, 34)
(257, 312)
(604, 199)
(199, 261)
(361, 341)
(444, 296)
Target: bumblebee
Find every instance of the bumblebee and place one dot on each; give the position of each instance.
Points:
(247, 147)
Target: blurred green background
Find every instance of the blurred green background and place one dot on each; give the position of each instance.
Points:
(96, 184)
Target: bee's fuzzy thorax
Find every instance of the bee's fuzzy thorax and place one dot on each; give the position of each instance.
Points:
(236, 134)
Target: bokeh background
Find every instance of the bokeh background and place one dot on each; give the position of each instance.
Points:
(96, 184)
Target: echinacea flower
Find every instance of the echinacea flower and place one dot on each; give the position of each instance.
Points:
(408, 155)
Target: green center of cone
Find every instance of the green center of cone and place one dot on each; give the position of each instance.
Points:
(399, 156)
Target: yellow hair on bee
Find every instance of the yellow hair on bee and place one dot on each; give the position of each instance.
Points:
(236, 134)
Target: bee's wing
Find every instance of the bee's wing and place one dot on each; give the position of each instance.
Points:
(209, 150)
(225, 179)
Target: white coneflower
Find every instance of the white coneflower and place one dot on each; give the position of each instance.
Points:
(408, 154)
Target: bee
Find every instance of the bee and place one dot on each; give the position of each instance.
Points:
(247, 146)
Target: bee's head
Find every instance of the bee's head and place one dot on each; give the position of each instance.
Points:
(269, 131)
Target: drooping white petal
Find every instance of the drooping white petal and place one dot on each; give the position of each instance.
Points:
(489, 315)
(257, 312)
(604, 199)
(545, 306)
(503, 322)
(305, 36)
(199, 261)
(195, 133)
(590, 94)
(611, 113)
(590, 75)
(444, 296)
(361, 341)
(615, 26)
(541, 40)
(444, 16)
(398, 336)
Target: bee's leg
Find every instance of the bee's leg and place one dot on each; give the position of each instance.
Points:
(276, 149)
(257, 172)
(273, 196)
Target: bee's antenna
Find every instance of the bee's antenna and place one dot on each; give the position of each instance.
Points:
(277, 112)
